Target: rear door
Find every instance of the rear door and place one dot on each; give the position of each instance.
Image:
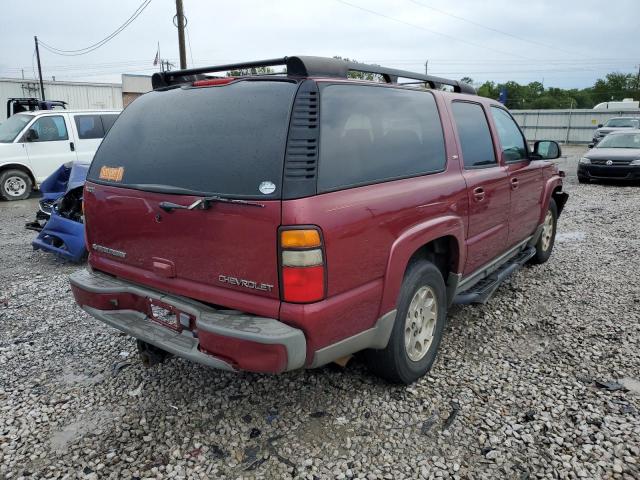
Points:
(525, 177)
(89, 134)
(173, 148)
(53, 146)
(487, 186)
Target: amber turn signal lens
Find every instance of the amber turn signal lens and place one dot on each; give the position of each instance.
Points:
(300, 239)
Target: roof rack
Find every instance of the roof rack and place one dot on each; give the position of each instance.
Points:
(301, 66)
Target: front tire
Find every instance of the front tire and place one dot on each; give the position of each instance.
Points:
(418, 328)
(547, 239)
(15, 185)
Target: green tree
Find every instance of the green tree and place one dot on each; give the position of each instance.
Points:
(243, 72)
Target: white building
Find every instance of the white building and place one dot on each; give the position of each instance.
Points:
(78, 95)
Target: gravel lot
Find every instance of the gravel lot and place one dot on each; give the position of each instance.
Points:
(542, 382)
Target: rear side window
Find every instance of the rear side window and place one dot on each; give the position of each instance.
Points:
(108, 121)
(89, 126)
(511, 139)
(228, 140)
(474, 134)
(372, 134)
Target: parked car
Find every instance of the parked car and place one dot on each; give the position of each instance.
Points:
(34, 144)
(614, 125)
(270, 223)
(59, 219)
(617, 157)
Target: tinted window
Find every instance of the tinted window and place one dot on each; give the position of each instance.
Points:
(50, 129)
(622, 122)
(474, 134)
(211, 140)
(89, 126)
(370, 134)
(108, 121)
(511, 139)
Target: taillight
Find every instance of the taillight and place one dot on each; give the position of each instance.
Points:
(210, 82)
(303, 265)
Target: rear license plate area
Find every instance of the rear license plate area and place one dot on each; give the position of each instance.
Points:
(167, 315)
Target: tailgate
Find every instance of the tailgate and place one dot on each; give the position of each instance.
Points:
(217, 255)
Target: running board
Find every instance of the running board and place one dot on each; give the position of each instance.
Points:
(482, 291)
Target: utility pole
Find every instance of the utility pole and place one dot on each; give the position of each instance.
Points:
(426, 67)
(180, 25)
(39, 68)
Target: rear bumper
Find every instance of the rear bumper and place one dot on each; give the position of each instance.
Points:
(63, 237)
(223, 339)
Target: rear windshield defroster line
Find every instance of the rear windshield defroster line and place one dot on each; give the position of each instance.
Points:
(228, 140)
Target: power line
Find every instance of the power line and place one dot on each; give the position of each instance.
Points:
(451, 37)
(486, 27)
(95, 46)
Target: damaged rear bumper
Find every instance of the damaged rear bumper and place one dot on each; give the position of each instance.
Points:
(63, 237)
(223, 339)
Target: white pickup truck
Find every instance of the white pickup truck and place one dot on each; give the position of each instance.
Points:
(34, 144)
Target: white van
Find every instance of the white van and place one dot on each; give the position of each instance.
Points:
(34, 144)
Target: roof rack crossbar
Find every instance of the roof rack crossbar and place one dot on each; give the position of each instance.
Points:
(304, 66)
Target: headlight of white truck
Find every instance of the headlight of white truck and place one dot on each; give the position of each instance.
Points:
(585, 161)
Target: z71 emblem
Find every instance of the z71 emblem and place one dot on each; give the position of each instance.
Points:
(263, 287)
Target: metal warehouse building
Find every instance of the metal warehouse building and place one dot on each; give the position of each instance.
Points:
(78, 95)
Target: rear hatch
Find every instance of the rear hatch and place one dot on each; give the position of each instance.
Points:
(219, 147)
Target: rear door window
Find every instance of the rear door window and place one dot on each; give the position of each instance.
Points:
(89, 126)
(227, 140)
(371, 134)
(108, 121)
(474, 134)
(511, 138)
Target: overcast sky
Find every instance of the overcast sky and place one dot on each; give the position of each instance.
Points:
(564, 43)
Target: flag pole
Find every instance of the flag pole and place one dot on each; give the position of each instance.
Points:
(159, 57)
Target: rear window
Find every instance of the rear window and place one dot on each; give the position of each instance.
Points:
(94, 126)
(227, 140)
(371, 134)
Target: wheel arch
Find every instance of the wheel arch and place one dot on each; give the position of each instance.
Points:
(19, 166)
(440, 241)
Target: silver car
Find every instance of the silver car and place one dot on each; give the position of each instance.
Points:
(614, 125)
(617, 156)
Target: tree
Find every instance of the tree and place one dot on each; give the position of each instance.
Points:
(242, 72)
(467, 80)
(372, 77)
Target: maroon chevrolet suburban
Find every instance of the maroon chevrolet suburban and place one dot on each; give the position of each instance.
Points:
(275, 222)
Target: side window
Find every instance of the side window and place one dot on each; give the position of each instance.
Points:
(89, 126)
(474, 134)
(511, 139)
(372, 134)
(50, 129)
(108, 121)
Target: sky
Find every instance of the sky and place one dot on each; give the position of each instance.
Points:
(562, 43)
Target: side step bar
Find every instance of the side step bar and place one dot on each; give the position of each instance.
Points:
(482, 291)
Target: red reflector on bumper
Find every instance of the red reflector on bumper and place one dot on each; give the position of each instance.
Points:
(303, 284)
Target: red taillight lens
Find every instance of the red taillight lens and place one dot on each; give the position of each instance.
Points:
(212, 82)
(303, 284)
(303, 265)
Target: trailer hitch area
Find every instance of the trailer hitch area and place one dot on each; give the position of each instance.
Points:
(150, 354)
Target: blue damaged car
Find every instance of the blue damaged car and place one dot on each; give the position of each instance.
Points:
(60, 219)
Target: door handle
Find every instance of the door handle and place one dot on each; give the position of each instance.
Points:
(514, 183)
(72, 146)
(478, 194)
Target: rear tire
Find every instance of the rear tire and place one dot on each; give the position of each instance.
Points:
(547, 239)
(418, 327)
(15, 185)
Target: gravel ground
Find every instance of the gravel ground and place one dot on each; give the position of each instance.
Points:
(542, 382)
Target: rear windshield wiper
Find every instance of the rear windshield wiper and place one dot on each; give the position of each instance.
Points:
(204, 203)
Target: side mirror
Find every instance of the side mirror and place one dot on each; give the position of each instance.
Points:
(31, 135)
(591, 145)
(546, 149)
(599, 125)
